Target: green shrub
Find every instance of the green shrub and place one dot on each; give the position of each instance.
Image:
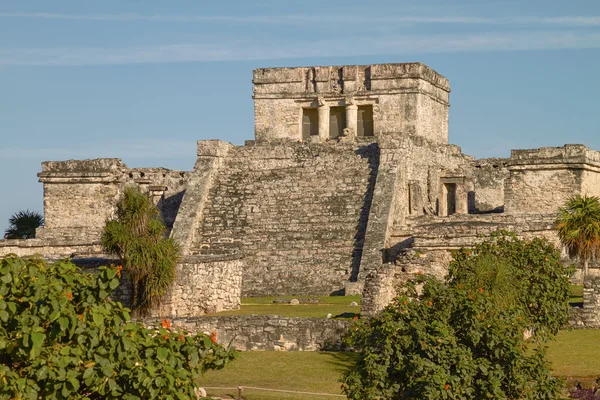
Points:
(463, 338)
(62, 337)
(447, 343)
(137, 235)
(531, 278)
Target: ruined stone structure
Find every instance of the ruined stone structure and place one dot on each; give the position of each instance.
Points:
(350, 186)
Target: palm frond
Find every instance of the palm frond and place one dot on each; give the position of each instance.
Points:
(578, 226)
(137, 235)
(23, 224)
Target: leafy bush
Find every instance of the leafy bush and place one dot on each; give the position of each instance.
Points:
(62, 337)
(534, 280)
(447, 343)
(464, 338)
(137, 236)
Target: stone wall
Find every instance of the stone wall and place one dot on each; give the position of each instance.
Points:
(203, 285)
(489, 175)
(589, 315)
(542, 179)
(297, 212)
(52, 249)
(405, 98)
(269, 332)
(80, 195)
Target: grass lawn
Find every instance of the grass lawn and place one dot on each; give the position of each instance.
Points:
(575, 355)
(304, 371)
(576, 294)
(337, 306)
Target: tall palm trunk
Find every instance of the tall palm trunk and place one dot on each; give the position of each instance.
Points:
(585, 267)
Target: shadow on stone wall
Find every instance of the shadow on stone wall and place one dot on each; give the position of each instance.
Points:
(371, 152)
(169, 207)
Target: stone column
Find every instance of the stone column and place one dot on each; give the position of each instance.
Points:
(323, 122)
(352, 118)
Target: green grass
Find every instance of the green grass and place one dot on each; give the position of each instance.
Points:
(576, 295)
(337, 306)
(574, 355)
(300, 371)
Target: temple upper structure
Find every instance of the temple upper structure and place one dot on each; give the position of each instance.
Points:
(316, 104)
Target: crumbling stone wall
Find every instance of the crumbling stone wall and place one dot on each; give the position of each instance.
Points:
(489, 175)
(204, 285)
(269, 332)
(80, 195)
(434, 240)
(588, 316)
(542, 179)
(52, 249)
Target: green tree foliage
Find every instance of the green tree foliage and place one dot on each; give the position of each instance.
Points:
(23, 225)
(522, 274)
(61, 337)
(137, 236)
(460, 339)
(578, 225)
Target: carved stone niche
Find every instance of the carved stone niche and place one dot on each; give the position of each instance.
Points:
(454, 195)
(157, 193)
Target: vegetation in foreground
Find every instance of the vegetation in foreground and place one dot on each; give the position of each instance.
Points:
(137, 236)
(464, 337)
(62, 337)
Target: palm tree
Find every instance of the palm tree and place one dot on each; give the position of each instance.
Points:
(137, 236)
(492, 273)
(578, 225)
(23, 225)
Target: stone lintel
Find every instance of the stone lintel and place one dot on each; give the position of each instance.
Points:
(158, 188)
(452, 179)
(359, 95)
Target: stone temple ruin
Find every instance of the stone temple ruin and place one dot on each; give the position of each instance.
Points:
(350, 186)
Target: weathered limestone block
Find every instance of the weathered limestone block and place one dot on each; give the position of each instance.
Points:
(203, 285)
(542, 179)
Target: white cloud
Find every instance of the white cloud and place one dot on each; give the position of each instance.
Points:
(312, 19)
(259, 50)
(250, 19)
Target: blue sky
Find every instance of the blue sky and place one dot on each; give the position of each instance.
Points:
(143, 80)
